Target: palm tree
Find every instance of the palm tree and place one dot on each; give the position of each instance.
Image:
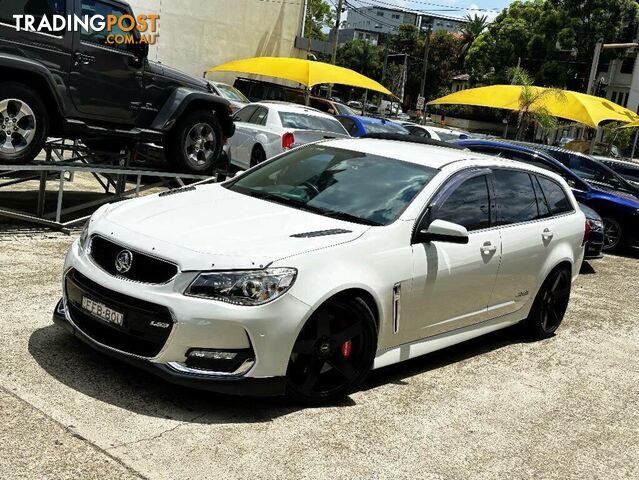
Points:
(530, 110)
(473, 27)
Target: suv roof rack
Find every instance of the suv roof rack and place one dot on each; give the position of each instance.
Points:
(411, 139)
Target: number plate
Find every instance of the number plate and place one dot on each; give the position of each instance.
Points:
(103, 312)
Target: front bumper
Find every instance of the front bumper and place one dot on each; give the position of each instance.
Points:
(270, 330)
(270, 386)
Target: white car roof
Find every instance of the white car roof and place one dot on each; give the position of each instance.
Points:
(294, 108)
(431, 155)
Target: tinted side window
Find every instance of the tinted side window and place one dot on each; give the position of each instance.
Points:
(542, 205)
(556, 198)
(469, 205)
(259, 117)
(95, 7)
(245, 114)
(9, 8)
(515, 196)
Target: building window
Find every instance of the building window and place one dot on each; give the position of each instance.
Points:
(380, 14)
(396, 16)
(613, 97)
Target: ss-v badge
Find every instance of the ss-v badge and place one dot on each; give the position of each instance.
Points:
(160, 324)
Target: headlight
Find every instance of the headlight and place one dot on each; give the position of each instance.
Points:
(84, 236)
(254, 287)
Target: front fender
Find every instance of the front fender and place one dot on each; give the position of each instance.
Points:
(181, 101)
(55, 83)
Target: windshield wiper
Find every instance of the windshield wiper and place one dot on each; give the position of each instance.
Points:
(348, 217)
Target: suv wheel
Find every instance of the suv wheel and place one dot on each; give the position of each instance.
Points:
(196, 143)
(333, 353)
(24, 123)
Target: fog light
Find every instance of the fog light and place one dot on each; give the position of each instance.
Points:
(213, 354)
(223, 361)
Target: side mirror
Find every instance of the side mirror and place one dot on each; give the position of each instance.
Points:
(442, 231)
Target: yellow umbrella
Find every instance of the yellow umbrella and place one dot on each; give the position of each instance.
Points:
(575, 106)
(631, 124)
(306, 72)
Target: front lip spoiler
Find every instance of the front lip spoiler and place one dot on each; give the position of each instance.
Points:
(263, 387)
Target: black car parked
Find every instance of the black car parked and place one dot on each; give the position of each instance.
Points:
(77, 85)
(595, 233)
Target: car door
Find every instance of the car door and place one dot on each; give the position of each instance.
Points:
(452, 283)
(528, 236)
(237, 143)
(106, 81)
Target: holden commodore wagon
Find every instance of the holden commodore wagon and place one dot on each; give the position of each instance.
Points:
(305, 272)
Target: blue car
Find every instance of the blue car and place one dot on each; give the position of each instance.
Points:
(358, 126)
(615, 200)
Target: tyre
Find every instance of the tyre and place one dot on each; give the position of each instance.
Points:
(550, 305)
(258, 155)
(613, 235)
(333, 353)
(195, 144)
(24, 123)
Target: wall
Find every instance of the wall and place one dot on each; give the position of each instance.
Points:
(198, 34)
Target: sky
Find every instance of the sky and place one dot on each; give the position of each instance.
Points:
(457, 8)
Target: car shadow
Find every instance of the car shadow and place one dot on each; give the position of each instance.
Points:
(112, 381)
(398, 373)
(108, 380)
(586, 268)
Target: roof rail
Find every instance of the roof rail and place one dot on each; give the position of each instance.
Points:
(412, 139)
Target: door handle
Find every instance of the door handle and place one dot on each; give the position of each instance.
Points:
(547, 234)
(488, 248)
(83, 58)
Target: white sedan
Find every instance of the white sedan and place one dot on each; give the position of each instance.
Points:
(435, 133)
(266, 129)
(304, 273)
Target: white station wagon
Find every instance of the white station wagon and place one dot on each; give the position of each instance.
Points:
(302, 274)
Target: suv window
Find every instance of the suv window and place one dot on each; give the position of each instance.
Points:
(96, 7)
(515, 196)
(245, 114)
(469, 205)
(9, 8)
(555, 196)
(259, 117)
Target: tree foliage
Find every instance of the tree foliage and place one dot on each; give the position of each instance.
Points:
(319, 16)
(529, 34)
(362, 57)
(472, 29)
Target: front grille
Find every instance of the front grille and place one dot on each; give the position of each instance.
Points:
(143, 268)
(137, 335)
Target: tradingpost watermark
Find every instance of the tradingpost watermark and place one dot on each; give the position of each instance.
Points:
(116, 29)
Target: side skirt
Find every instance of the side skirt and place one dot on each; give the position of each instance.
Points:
(427, 345)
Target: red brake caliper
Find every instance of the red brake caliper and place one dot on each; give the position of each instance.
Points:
(346, 348)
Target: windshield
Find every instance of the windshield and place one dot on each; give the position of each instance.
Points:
(352, 186)
(231, 93)
(449, 137)
(343, 109)
(301, 121)
(385, 128)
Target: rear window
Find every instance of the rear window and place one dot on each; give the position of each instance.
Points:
(9, 8)
(300, 121)
(555, 196)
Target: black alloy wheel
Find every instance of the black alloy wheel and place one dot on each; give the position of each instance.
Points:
(613, 234)
(333, 353)
(550, 304)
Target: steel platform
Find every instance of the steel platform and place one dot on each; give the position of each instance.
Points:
(113, 172)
